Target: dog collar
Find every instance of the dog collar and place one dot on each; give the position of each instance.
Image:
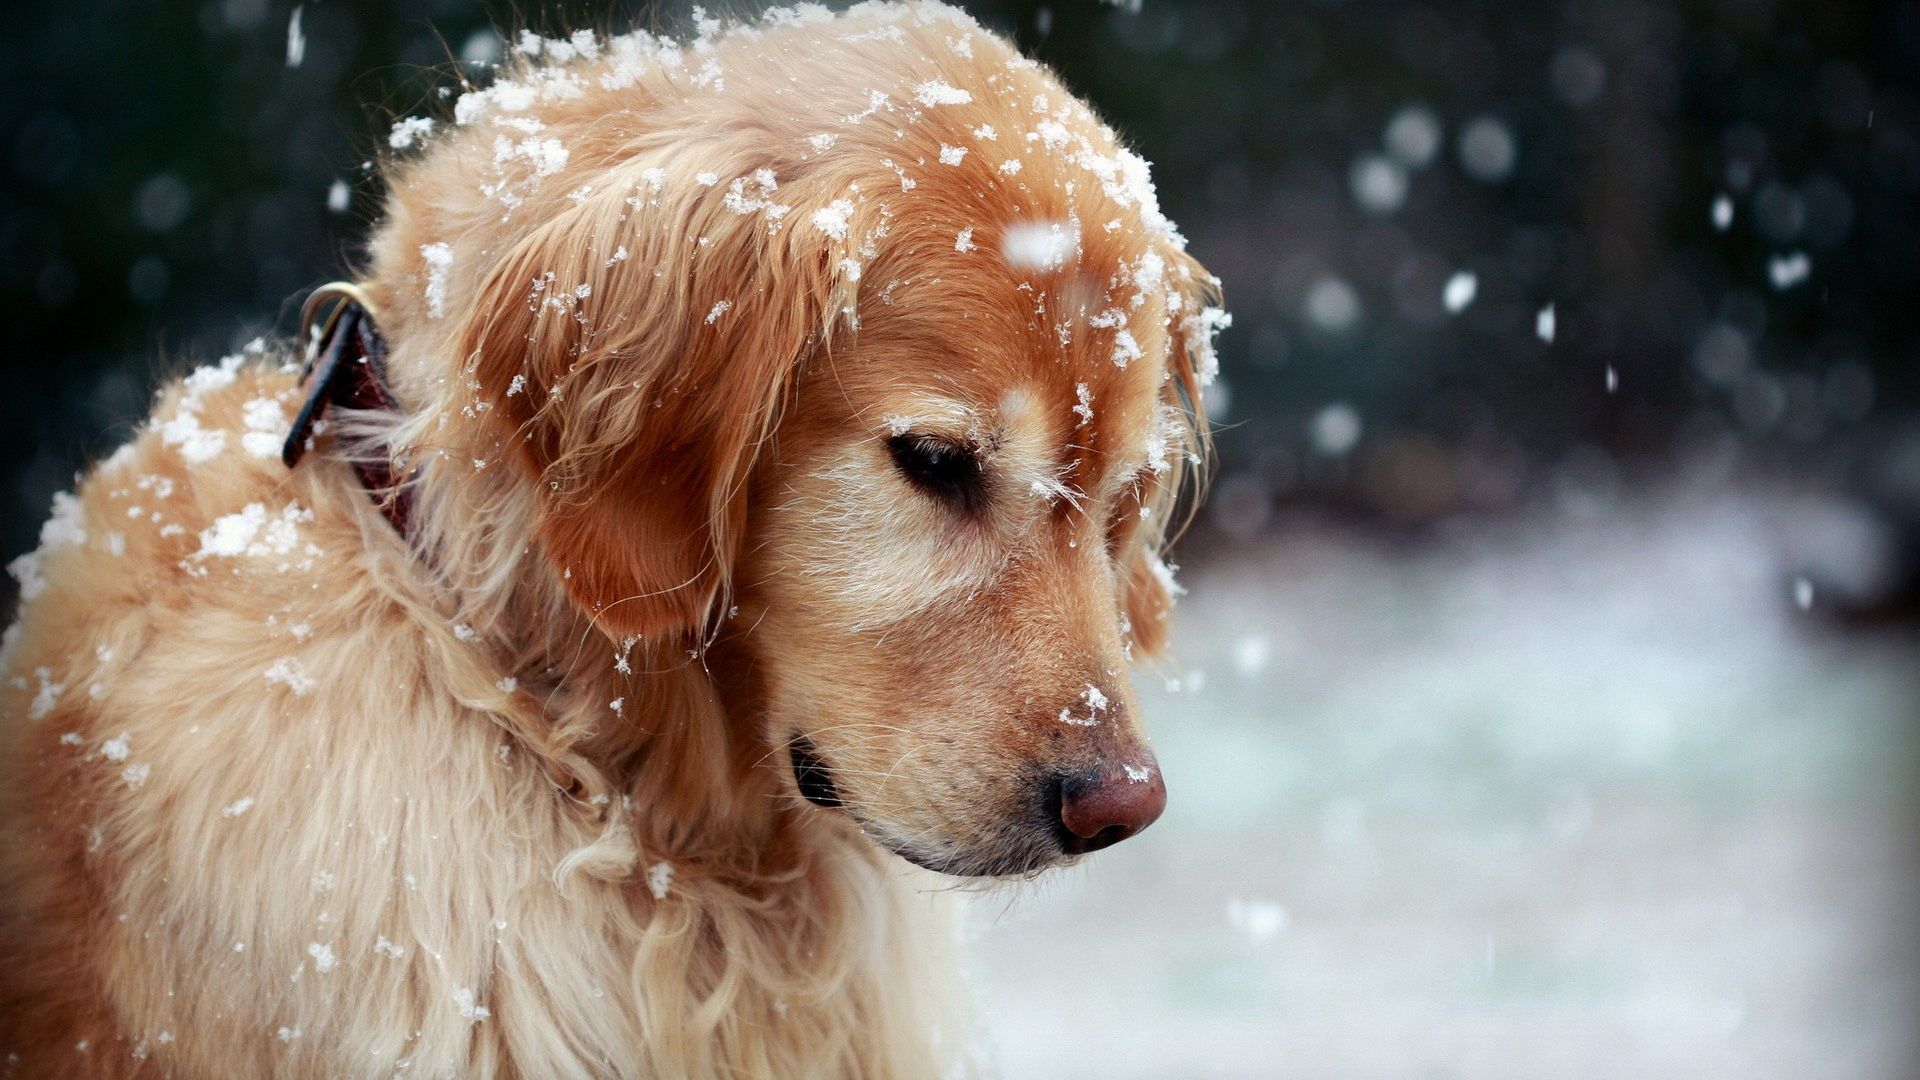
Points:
(346, 366)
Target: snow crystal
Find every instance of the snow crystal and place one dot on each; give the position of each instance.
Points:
(388, 949)
(1460, 291)
(136, 775)
(237, 807)
(296, 38)
(467, 1003)
(1095, 700)
(406, 129)
(963, 243)
(1163, 574)
(706, 179)
(517, 384)
(1332, 304)
(1039, 245)
(719, 309)
(1197, 333)
(117, 749)
(72, 738)
(952, 155)
(463, 632)
(822, 142)
(985, 133)
(508, 684)
(1786, 271)
(197, 444)
(339, 197)
(1413, 136)
(660, 879)
(204, 380)
(1084, 408)
(1258, 919)
(266, 423)
(1612, 379)
(1336, 429)
(439, 258)
(739, 201)
(289, 671)
(1250, 654)
(1378, 183)
(1803, 593)
(1487, 149)
(938, 92)
(1137, 774)
(323, 958)
(288, 1034)
(832, 220)
(1125, 349)
(46, 697)
(1722, 213)
(1010, 167)
(1545, 323)
(253, 532)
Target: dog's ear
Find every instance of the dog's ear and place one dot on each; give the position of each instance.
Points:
(635, 351)
(1193, 318)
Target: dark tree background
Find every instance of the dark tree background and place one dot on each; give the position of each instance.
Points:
(167, 179)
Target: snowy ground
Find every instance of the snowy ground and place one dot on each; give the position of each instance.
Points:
(1569, 799)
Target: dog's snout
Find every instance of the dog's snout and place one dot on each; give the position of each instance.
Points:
(1102, 806)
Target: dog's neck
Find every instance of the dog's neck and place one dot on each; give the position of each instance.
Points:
(662, 725)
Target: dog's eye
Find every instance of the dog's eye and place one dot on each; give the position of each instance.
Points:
(939, 468)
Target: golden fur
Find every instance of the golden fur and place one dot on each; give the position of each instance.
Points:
(285, 794)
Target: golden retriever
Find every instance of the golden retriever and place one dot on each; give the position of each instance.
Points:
(789, 418)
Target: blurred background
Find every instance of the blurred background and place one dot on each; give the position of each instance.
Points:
(1548, 682)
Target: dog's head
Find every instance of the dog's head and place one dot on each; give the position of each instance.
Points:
(876, 367)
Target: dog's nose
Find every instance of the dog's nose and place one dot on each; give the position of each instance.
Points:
(1101, 807)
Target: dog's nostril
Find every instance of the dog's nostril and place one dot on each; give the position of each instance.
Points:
(1101, 807)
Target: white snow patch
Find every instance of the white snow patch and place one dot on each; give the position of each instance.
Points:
(468, 1005)
(237, 807)
(253, 532)
(1786, 271)
(323, 958)
(439, 258)
(719, 309)
(197, 444)
(1250, 654)
(963, 243)
(296, 38)
(117, 749)
(1260, 920)
(1040, 245)
(832, 219)
(266, 422)
(1545, 324)
(1460, 291)
(952, 155)
(290, 672)
(1084, 404)
(408, 129)
(939, 92)
(660, 879)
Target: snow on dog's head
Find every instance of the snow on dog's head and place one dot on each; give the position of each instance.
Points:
(906, 490)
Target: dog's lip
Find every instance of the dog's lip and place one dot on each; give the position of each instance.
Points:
(814, 777)
(811, 773)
